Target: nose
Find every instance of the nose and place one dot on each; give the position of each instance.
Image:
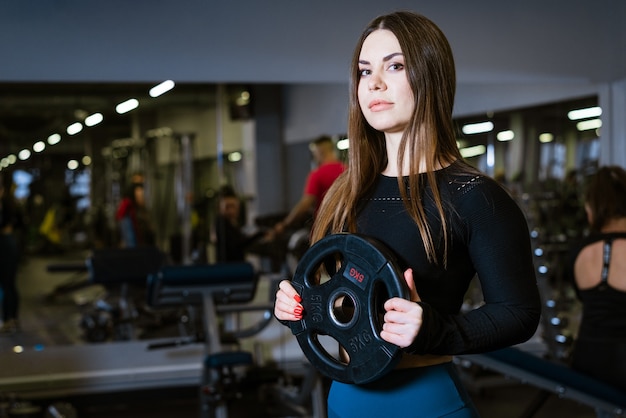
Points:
(375, 82)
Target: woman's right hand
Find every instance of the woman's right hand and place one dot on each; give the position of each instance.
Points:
(287, 306)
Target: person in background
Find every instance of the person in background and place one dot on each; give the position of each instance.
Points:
(597, 269)
(10, 220)
(134, 218)
(230, 240)
(407, 186)
(319, 180)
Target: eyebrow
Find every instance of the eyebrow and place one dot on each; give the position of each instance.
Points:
(385, 58)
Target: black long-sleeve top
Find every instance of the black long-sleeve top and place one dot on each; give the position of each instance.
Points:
(488, 238)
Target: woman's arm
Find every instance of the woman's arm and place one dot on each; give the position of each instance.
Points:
(498, 242)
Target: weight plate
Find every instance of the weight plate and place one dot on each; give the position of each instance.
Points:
(346, 304)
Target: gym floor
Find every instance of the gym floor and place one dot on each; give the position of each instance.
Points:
(50, 316)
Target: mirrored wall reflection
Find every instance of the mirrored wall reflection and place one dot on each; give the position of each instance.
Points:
(535, 145)
(74, 151)
(543, 155)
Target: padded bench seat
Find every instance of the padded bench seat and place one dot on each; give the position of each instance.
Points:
(178, 285)
(555, 377)
(124, 265)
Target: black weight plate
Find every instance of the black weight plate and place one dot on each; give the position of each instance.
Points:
(368, 274)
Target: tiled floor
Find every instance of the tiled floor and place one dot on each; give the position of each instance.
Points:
(51, 316)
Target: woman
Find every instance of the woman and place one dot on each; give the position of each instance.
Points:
(598, 269)
(407, 186)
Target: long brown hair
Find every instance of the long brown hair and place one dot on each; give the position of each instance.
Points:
(605, 196)
(429, 138)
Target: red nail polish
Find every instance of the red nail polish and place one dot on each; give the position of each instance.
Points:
(298, 298)
(297, 310)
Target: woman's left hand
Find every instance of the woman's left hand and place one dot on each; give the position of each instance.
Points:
(403, 318)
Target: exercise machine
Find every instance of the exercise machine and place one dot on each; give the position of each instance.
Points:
(224, 291)
(552, 377)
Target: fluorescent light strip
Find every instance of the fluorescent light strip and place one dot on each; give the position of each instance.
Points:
(54, 139)
(477, 128)
(233, 157)
(546, 137)
(74, 128)
(94, 119)
(24, 154)
(127, 106)
(505, 135)
(589, 112)
(474, 151)
(39, 146)
(159, 89)
(589, 124)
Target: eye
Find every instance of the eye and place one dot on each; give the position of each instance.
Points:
(396, 66)
(364, 72)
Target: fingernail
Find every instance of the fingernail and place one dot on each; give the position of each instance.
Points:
(297, 310)
(298, 298)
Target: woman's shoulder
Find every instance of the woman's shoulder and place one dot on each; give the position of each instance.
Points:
(596, 237)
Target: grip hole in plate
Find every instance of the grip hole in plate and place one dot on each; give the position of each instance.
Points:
(325, 269)
(343, 309)
(377, 315)
(333, 349)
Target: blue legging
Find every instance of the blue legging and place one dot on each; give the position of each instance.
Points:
(424, 392)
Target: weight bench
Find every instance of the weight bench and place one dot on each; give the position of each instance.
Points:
(111, 267)
(124, 265)
(553, 377)
(215, 287)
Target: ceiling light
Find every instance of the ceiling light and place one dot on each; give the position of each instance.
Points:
(505, 135)
(86, 160)
(54, 139)
(72, 164)
(546, 137)
(589, 124)
(23, 154)
(12, 159)
(74, 128)
(94, 119)
(159, 89)
(343, 144)
(589, 112)
(243, 99)
(39, 146)
(233, 157)
(127, 106)
(474, 151)
(477, 128)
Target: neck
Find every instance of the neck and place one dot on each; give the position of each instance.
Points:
(392, 143)
(615, 225)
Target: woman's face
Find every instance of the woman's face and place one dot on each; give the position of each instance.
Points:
(384, 92)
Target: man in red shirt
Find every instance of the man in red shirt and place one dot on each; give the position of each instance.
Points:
(329, 167)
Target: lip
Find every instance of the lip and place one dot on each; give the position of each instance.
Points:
(378, 105)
